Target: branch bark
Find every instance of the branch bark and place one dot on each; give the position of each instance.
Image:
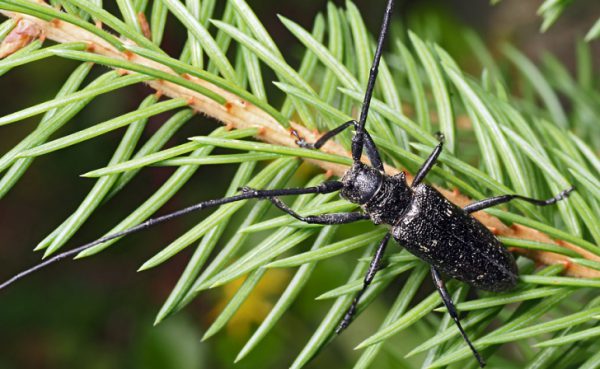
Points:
(238, 113)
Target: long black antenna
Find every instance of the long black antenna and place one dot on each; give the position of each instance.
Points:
(326, 187)
(247, 193)
(358, 141)
(137, 228)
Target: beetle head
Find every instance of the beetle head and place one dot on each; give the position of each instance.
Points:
(361, 182)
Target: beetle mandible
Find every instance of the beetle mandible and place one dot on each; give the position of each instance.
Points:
(421, 219)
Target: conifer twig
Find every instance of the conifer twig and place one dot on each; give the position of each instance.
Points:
(237, 113)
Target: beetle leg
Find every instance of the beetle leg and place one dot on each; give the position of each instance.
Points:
(327, 219)
(493, 201)
(323, 139)
(429, 163)
(372, 152)
(373, 269)
(441, 287)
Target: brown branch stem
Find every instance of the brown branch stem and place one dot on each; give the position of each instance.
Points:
(238, 113)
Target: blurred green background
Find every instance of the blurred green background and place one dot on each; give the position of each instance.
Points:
(98, 312)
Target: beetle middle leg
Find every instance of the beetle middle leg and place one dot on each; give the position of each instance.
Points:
(447, 299)
(327, 219)
(373, 269)
(493, 201)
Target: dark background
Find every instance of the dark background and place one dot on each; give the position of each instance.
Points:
(98, 312)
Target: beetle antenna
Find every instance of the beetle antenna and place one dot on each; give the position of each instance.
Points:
(246, 193)
(358, 142)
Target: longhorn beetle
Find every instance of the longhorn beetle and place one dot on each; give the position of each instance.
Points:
(421, 220)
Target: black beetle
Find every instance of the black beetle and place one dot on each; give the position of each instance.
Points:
(422, 220)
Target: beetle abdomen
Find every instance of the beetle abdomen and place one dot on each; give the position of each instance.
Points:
(454, 242)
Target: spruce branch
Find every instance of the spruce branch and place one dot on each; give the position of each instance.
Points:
(236, 112)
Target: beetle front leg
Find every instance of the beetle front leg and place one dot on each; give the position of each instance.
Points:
(373, 269)
(370, 147)
(300, 141)
(447, 299)
(430, 162)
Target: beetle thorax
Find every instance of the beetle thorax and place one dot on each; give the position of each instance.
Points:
(383, 198)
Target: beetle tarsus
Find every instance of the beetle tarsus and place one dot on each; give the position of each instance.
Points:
(301, 142)
(325, 219)
(374, 267)
(347, 318)
(564, 194)
(497, 200)
(447, 299)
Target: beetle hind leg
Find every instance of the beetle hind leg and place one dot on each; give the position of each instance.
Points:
(441, 287)
(493, 201)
